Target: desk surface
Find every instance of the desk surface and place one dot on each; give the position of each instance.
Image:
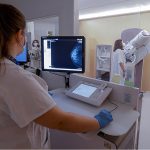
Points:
(123, 116)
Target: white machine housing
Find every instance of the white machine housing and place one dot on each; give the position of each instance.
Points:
(138, 47)
(122, 133)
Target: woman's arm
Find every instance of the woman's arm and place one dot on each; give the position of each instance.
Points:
(58, 119)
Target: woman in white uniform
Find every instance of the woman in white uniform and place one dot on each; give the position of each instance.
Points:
(26, 110)
(118, 63)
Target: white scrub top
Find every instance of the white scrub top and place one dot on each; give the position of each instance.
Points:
(117, 58)
(23, 98)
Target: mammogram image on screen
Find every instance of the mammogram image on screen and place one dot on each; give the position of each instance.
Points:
(66, 54)
(76, 55)
(63, 54)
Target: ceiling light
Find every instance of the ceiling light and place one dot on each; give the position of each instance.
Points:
(116, 12)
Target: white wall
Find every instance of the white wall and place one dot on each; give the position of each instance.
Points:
(42, 28)
(64, 9)
(30, 28)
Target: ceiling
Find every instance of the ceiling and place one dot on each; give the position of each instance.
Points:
(92, 6)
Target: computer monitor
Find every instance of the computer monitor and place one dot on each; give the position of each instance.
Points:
(22, 57)
(63, 54)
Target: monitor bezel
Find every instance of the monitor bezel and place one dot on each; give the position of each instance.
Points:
(63, 37)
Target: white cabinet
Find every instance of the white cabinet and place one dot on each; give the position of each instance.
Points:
(103, 61)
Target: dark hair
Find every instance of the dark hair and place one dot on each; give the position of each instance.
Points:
(36, 42)
(11, 21)
(118, 45)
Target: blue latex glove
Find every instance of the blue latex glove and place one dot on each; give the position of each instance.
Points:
(104, 117)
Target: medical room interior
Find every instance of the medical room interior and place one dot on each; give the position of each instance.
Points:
(70, 45)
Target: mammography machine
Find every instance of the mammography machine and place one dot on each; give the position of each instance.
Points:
(137, 47)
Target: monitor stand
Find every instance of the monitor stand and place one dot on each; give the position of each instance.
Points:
(67, 77)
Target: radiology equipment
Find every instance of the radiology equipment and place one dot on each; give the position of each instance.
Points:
(89, 93)
(22, 57)
(63, 53)
(138, 48)
(118, 134)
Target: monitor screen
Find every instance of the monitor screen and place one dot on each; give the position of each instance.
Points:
(22, 57)
(63, 53)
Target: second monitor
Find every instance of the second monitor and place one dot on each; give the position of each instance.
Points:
(63, 53)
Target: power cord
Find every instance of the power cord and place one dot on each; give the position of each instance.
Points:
(116, 106)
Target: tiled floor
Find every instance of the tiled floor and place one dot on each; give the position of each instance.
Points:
(144, 137)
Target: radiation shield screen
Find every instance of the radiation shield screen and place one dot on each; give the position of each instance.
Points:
(84, 90)
(63, 53)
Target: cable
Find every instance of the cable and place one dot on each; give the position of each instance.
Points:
(113, 104)
(67, 78)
